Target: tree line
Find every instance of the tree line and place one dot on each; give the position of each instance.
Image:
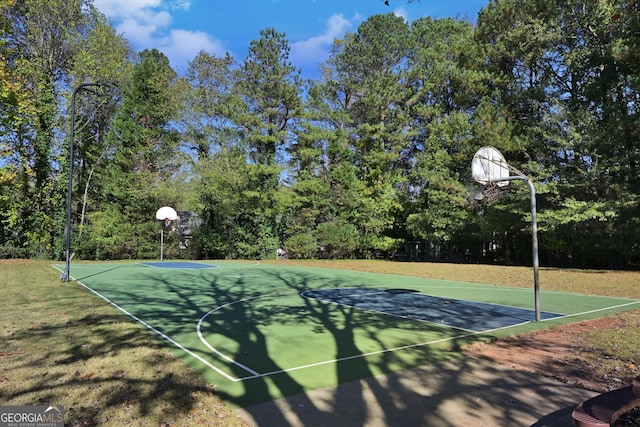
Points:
(372, 153)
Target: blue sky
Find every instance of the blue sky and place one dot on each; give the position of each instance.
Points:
(182, 28)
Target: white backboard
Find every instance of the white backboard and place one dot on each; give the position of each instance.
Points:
(166, 212)
(488, 165)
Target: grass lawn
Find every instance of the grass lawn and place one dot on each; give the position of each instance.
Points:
(62, 345)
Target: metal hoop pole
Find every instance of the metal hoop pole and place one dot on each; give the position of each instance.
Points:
(84, 86)
(534, 247)
(534, 239)
(66, 275)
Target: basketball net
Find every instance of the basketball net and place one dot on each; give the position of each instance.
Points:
(167, 222)
(491, 192)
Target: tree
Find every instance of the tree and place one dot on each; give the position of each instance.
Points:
(448, 84)
(270, 89)
(104, 58)
(143, 157)
(41, 46)
(565, 85)
(363, 97)
(212, 105)
(230, 206)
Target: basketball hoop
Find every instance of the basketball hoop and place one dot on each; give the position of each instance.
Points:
(166, 214)
(491, 192)
(489, 167)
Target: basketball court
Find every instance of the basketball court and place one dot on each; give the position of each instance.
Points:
(261, 332)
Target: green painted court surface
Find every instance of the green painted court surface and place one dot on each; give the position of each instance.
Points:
(260, 332)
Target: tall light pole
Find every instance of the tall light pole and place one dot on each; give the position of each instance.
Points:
(87, 87)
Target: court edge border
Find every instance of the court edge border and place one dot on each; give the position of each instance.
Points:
(296, 368)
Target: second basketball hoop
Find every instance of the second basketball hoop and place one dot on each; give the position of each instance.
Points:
(166, 214)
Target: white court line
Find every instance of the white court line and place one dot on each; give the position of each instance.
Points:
(593, 311)
(388, 350)
(241, 265)
(154, 330)
(210, 347)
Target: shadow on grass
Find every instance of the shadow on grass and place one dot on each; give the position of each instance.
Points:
(105, 371)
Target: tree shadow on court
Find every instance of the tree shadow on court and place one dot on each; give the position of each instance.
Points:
(422, 393)
(428, 391)
(241, 321)
(244, 322)
(350, 399)
(173, 307)
(340, 322)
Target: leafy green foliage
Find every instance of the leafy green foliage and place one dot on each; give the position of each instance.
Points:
(301, 246)
(337, 240)
(374, 152)
(142, 149)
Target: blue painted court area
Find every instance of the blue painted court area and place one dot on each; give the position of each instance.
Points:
(409, 304)
(178, 264)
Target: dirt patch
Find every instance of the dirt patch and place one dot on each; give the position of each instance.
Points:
(561, 353)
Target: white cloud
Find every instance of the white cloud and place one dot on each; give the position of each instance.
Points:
(147, 24)
(181, 46)
(142, 28)
(121, 9)
(402, 12)
(316, 49)
(182, 4)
